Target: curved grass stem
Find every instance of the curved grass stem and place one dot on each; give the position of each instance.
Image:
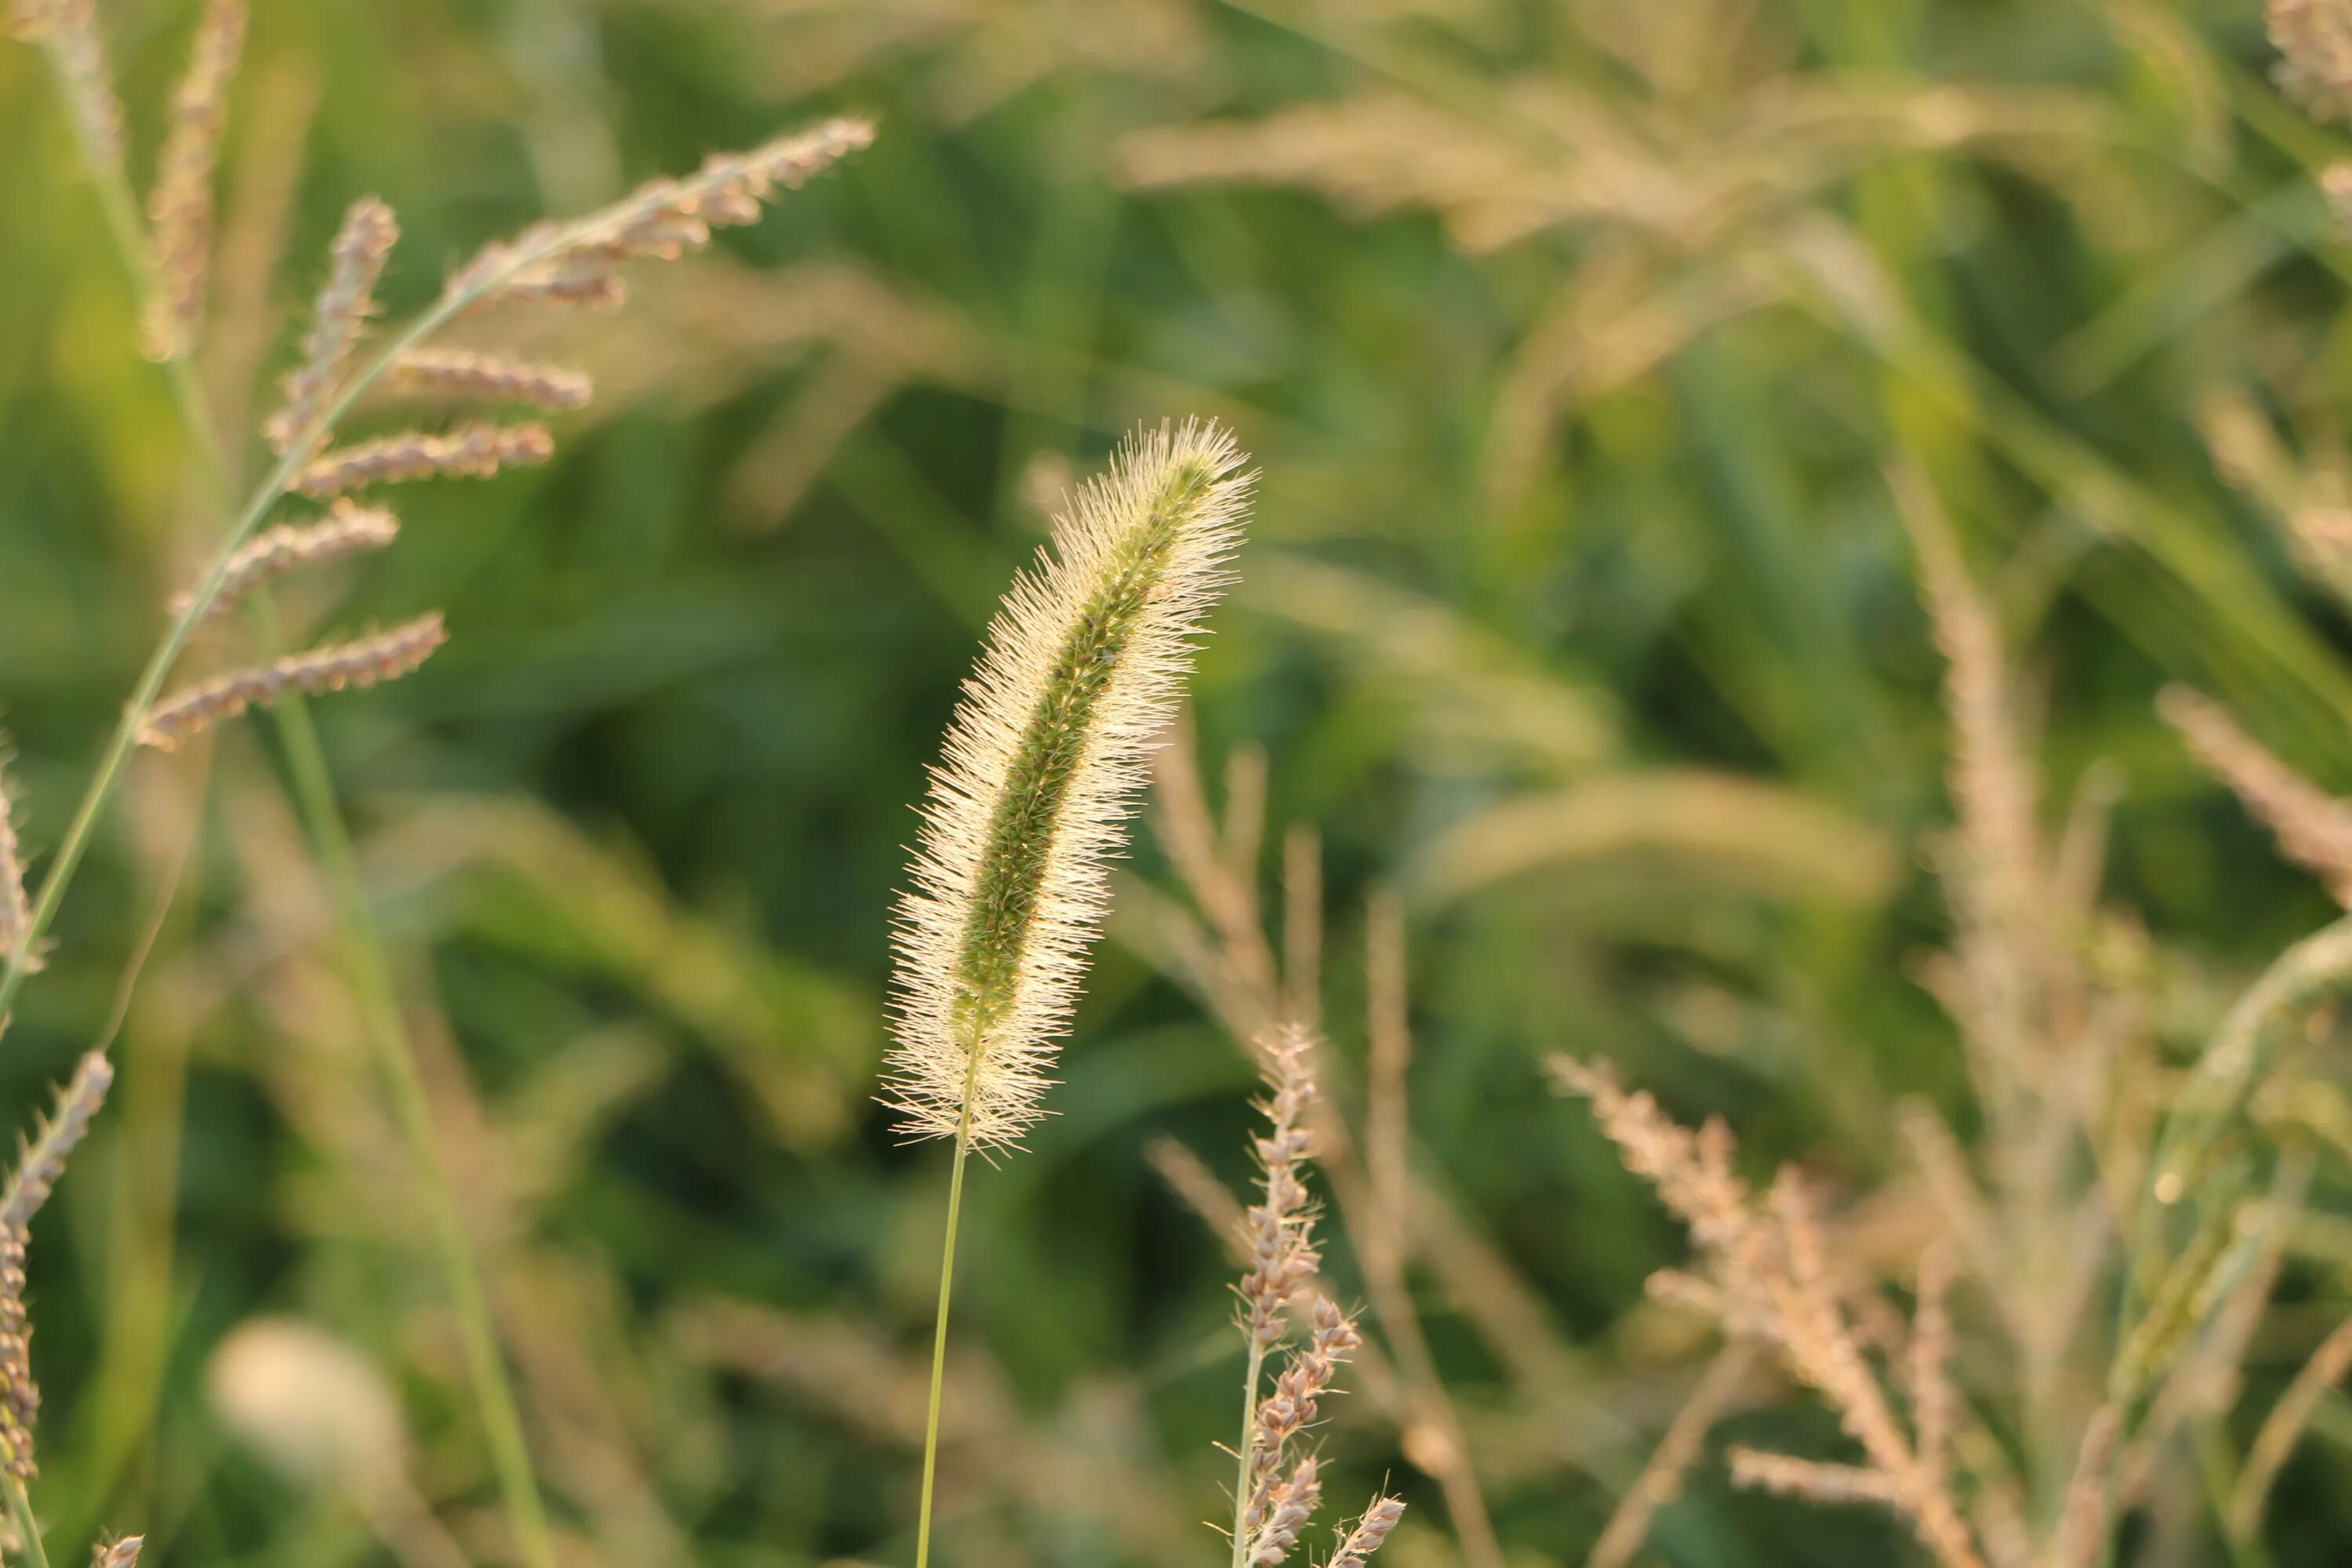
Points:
(313, 787)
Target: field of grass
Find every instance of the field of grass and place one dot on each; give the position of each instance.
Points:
(1735, 478)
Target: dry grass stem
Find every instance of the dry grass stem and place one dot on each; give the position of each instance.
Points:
(1661, 1479)
(473, 451)
(349, 530)
(366, 661)
(180, 208)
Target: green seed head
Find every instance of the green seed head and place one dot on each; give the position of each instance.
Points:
(1042, 767)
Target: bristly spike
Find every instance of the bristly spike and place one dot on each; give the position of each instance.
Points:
(357, 258)
(366, 661)
(20, 1396)
(1042, 764)
(43, 1160)
(122, 1553)
(347, 531)
(458, 373)
(180, 208)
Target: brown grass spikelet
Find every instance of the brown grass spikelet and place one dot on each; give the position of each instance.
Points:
(2313, 826)
(122, 1553)
(571, 262)
(363, 662)
(349, 530)
(472, 451)
(42, 1159)
(355, 260)
(1375, 1525)
(180, 208)
(16, 903)
(458, 373)
(1041, 766)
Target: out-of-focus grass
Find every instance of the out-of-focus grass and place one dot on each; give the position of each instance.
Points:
(1572, 339)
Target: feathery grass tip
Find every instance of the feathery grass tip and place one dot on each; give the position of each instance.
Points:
(1040, 767)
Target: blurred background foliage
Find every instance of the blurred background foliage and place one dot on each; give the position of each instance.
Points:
(1574, 339)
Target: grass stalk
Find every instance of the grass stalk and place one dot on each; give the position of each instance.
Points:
(940, 1316)
(311, 785)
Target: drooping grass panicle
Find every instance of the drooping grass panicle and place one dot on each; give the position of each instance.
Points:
(180, 208)
(573, 261)
(1041, 764)
(16, 903)
(471, 451)
(68, 30)
(355, 261)
(459, 373)
(43, 1157)
(349, 530)
(365, 661)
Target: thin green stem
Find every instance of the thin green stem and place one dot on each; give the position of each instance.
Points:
(1246, 1449)
(313, 787)
(940, 1318)
(378, 997)
(28, 1529)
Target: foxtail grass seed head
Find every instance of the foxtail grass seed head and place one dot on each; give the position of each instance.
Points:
(472, 452)
(1041, 765)
(355, 261)
(367, 661)
(456, 373)
(16, 903)
(42, 1159)
(347, 531)
(122, 1553)
(180, 208)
